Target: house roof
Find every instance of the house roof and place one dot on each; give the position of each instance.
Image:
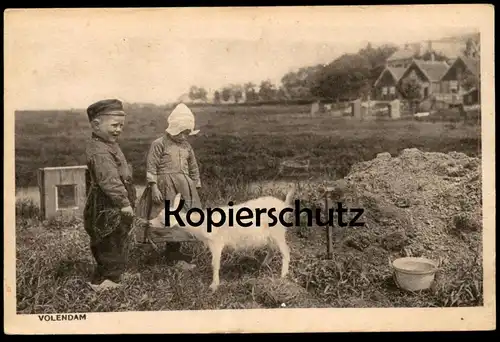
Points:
(432, 70)
(401, 54)
(396, 73)
(449, 49)
(471, 90)
(471, 63)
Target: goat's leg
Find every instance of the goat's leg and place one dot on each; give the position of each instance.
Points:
(267, 258)
(285, 255)
(216, 251)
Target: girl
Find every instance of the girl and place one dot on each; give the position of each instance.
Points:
(171, 168)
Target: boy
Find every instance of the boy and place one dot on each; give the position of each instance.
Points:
(111, 195)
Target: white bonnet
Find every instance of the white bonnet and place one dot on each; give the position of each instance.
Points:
(180, 119)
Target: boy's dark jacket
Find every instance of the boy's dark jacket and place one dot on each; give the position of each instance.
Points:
(109, 188)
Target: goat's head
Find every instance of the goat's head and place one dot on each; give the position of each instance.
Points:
(176, 210)
(159, 221)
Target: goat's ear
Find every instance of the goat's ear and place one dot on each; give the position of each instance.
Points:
(177, 199)
(161, 216)
(159, 220)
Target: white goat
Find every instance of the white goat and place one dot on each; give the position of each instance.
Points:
(234, 236)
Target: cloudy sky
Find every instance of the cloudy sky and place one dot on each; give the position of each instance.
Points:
(71, 58)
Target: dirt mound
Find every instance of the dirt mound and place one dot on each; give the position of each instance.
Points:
(416, 204)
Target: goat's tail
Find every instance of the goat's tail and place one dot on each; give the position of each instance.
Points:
(289, 196)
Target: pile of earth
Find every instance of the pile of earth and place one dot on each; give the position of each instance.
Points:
(415, 204)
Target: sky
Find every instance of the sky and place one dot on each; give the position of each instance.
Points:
(72, 58)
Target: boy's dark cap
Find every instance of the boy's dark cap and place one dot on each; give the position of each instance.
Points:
(105, 107)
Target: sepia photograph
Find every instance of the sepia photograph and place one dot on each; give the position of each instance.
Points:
(249, 169)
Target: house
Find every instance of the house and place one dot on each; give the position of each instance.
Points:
(386, 85)
(404, 57)
(471, 97)
(449, 47)
(427, 73)
(457, 78)
(441, 81)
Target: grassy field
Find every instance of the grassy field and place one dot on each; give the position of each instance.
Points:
(238, 149)
(238, 143)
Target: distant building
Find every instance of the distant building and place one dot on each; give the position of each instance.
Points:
(454, 81)
(449, 47)
(404, 57)
(428, 74)
(471, 97)
(386, 85)
(443, 83)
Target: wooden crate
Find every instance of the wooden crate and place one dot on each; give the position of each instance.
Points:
(62, 190)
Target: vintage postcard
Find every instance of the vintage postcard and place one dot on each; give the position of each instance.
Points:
(249, 169)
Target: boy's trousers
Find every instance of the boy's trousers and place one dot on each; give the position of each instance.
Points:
(111, 252)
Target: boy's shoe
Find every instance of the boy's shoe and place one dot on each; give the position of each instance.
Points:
(185, 266)
(130, 276)
(109, 284)
(105, 285)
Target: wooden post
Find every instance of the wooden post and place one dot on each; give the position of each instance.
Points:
(356, 109)
(329, 229)
(314, 108)
(394, 110)
(368, 108)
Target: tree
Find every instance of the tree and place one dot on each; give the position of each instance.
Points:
(267, 91)
(226, 93)
(470, 81)
(197, 93)
(249, 89)
(282, 94)
(299, 84)
(411, 90)
(216, 97)
(237, 92)
(351, 75)
(472, 48)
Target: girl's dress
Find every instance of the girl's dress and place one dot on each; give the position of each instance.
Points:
(173, 166)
